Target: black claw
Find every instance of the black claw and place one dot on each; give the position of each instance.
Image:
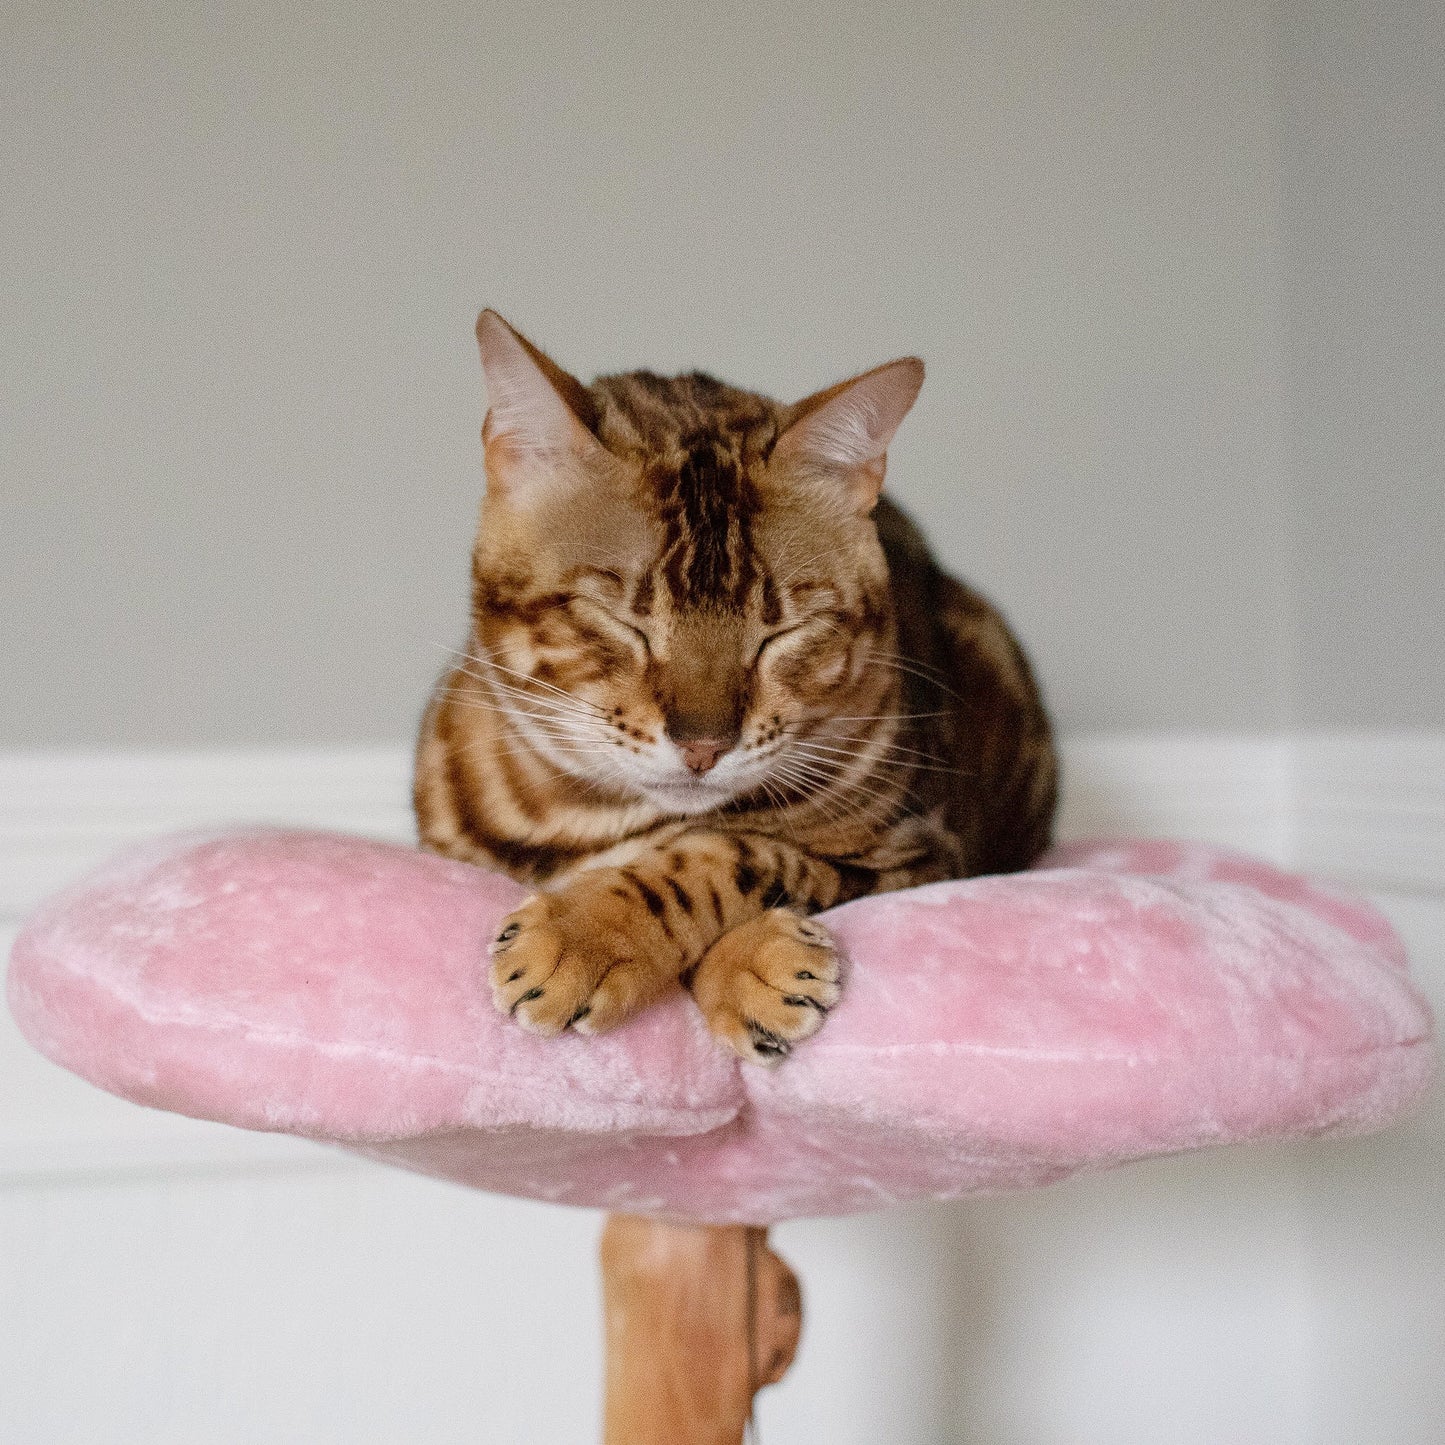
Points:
(580, 1015)
(799, 1000)
(514, 977)
(525, 998)
(804, 974)
(509, 933)
(767, 1044)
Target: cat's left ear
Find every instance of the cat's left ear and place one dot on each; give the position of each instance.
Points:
(538, 418)
(844, 432)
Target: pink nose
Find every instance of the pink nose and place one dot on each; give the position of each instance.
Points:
(701, 754)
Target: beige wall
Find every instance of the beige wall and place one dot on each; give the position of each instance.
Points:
(247, 244)
(1364, 230)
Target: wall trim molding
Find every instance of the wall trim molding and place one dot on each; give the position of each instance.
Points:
(1369, 808)
(1227, 788)
(62, 812)
(1366, 808)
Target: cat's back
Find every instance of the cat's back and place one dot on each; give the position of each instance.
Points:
(976, 708)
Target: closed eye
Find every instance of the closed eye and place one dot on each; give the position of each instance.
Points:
(777, 636)
(832, 621)
(596, 609)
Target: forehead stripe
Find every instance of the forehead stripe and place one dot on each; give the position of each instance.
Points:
(707, 506)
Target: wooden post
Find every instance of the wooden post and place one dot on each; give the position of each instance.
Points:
(699, 1317)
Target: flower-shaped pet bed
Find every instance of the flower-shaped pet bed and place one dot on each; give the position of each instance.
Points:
(1121, 1000)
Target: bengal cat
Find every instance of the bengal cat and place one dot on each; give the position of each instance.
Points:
(713, 685)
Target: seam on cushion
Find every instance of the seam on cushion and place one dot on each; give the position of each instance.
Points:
(292, 1040)
(683, 1112)
(1058, 1056)
(235, 1024)
(520, 1125)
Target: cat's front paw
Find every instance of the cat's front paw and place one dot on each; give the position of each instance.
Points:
(768, 984)
(555, 967)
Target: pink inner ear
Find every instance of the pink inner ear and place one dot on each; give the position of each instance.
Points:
(850, 425)
(527, 411)
(995, 1033)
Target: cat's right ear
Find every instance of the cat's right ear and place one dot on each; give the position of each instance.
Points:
(842, 434)
(538, 416)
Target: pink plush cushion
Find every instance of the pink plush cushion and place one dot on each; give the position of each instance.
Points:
(1123, 1000)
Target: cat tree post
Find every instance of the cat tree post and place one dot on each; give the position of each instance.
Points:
(699, 1317)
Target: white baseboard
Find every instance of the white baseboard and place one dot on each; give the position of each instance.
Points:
(63, 812)
(1368, 807)
(1230, 789)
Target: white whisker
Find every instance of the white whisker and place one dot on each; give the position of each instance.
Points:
(913, 669)
(908, 757)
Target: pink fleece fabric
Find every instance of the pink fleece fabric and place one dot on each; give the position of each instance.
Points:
(1123, 999)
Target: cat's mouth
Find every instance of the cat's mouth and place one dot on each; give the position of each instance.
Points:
(688, 795)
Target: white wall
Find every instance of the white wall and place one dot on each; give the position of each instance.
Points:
(1363, 226)
(246, 245)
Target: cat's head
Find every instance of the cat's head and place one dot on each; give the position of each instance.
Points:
(675, 581)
